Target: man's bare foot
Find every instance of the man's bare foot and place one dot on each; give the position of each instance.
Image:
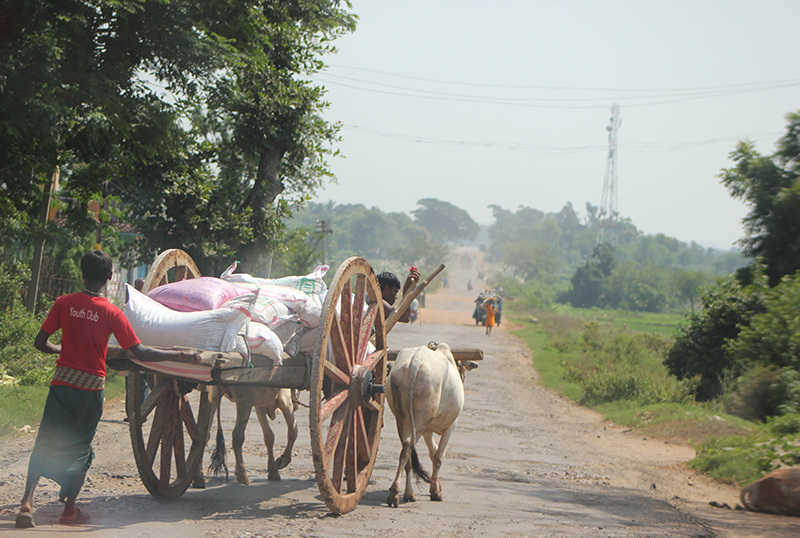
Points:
(75, 517)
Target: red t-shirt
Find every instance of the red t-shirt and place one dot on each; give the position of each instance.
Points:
(86, 323)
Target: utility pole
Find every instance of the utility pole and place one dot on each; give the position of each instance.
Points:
(322, 228)
(38, 248)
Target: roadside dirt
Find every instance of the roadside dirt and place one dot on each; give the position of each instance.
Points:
(522, 462)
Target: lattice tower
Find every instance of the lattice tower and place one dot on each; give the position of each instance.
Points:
(608, 202)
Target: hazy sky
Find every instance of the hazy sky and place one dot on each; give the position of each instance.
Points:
(506, 102)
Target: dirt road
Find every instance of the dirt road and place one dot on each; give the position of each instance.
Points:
(523, 462)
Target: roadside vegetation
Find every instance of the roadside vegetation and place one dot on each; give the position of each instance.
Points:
(644, 333)
(616, 367)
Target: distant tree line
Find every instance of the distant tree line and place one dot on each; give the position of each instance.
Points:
(629, 270)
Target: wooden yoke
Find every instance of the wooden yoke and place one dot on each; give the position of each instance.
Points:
(459, 354)
(405, 302)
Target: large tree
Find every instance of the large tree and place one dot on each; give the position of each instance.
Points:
(770, 186)
(190, 119)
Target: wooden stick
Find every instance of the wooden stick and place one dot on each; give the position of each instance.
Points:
(408, 297)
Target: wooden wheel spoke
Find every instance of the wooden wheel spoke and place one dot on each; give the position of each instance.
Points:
(362, 436)
(346, 321)
(374, 406)
(156, 434)
(358, 318)
(374, 360)
(341, 353)
(339, 450)
(332, 404)
(336, 374)
(180, 451)
(351, 453)
(188, 419)
(163, 384)
(167, 442)
(365, 332)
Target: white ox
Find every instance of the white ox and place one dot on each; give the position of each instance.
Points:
(425, 391)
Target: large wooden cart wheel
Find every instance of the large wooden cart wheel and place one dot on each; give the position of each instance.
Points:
(170, 266)
(169, 429)
(347, 377)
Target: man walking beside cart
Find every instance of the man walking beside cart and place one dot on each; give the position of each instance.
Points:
(63, 450)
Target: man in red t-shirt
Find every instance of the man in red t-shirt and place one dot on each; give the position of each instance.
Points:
(63, 450)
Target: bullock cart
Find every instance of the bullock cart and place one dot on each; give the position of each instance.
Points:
(344, 373)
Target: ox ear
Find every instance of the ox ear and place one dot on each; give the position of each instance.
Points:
(470, 365)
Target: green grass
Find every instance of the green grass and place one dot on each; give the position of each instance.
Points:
(22, 405)
(548, 359)
(659, 323)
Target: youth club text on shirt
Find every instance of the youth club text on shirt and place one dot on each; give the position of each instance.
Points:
(88, 315)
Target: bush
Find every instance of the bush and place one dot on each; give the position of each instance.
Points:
(617, 365)
(18, 357)
(699, 348)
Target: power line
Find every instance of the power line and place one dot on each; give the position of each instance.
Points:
(641, 147)
(575, 88)
(443, 96)
(604, 99)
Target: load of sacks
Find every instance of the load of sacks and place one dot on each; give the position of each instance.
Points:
(236, 312)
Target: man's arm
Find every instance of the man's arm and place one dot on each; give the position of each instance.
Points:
(151, 354)
(411, 280)
(43, 344)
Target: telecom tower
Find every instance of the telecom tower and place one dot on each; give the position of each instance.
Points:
(608, 202)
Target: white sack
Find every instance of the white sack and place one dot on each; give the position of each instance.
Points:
(157, 325)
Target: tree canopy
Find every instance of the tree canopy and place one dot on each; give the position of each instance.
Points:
(770, 186)
(195, 122)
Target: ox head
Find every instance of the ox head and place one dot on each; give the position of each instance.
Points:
(462, 366)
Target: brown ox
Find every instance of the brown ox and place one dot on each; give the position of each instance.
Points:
(776, 493)
(266, 402)
(425, 391)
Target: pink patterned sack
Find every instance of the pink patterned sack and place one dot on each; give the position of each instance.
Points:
(196, 294)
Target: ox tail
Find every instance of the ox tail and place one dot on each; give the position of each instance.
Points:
(218, 464)
(416, 465)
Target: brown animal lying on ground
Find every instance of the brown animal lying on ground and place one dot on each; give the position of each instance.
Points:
(776, 493)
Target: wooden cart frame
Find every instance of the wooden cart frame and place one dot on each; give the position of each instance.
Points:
(169, 430)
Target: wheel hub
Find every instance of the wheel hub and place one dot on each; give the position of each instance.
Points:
(363, 387)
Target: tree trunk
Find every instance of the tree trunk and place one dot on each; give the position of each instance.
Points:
(266, 189)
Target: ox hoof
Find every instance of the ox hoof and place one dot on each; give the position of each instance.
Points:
(273, 475)
(243, 479)
(409, 498)
(199, 482)
(393, 500)
(436, 495)
(282, 462)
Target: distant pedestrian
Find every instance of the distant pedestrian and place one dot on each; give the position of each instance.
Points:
(489, 316)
